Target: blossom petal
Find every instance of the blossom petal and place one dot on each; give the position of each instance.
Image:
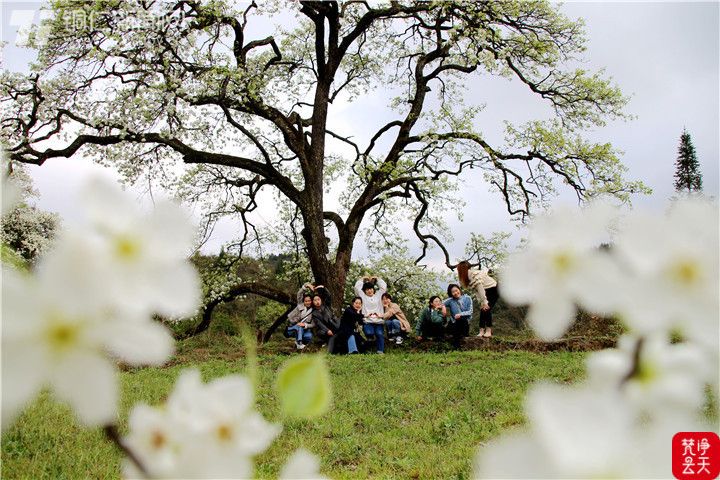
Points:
(551, 317)
(582, 428)
(520, 279)
(23, 374)
(302, 464)
(176, 290)
(235, 390)
(500, 459)
(139, 343)
(172, 232)
(88, 382)
(101, 195)
(257, 434)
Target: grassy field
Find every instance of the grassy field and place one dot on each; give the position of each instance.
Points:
(401, 415)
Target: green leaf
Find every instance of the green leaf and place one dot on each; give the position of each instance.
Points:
(303, 386)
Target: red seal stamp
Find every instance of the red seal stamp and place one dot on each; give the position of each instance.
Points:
(696, 455)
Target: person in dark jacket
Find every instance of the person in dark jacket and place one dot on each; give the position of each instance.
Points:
(432, 320)
(347, 331)
(326, 324)
(324, 294)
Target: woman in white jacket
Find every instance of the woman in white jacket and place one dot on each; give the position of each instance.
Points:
(372, 308)
(486, 292)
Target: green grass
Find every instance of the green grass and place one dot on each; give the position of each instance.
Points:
(417, 415)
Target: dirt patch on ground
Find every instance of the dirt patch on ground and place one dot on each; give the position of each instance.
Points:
(495, 344)
(572, 344)
(498, 344)
(230, 348)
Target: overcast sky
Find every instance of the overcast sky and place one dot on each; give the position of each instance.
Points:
(665, 55)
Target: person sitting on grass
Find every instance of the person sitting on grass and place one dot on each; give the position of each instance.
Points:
(372, 309)
(432, 320)
(347, 334)
(395, 320)
(325, 323)
(300, 321)
(460, 308)
(324, 295)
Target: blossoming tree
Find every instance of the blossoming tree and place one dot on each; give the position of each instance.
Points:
(147, 86)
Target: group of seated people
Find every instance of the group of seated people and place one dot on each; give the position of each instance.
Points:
(373, 312)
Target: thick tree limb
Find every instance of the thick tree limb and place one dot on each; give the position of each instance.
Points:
(254, 288)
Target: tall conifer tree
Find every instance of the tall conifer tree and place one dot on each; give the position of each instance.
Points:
(687, 168)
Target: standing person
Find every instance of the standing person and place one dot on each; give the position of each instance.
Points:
(486, 292)
(395, 320)
(460, 308)
(300, 321)
(432, 320)
(325, 322)
(372, 308)
(350, 319)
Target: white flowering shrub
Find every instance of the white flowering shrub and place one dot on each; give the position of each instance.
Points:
(89, 303)
(660, 278)
(26, 230)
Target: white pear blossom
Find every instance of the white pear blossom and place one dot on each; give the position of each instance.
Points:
(58, 335)
(88, 304)
(660, 276)
(205, 431)
(586, 431)
(143, 258)
(302, 465)
(672, 264)
(561, 267)
(574, 432)
(153, 439)
(638, 450)
(655, 377)
(514, 455)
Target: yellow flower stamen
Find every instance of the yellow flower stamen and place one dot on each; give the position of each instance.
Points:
(62, 334)
(127, 248)
(563, 261)
(224, 433)
(158, 440)
(685, 272)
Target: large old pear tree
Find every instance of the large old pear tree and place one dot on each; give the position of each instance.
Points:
(210, 99)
